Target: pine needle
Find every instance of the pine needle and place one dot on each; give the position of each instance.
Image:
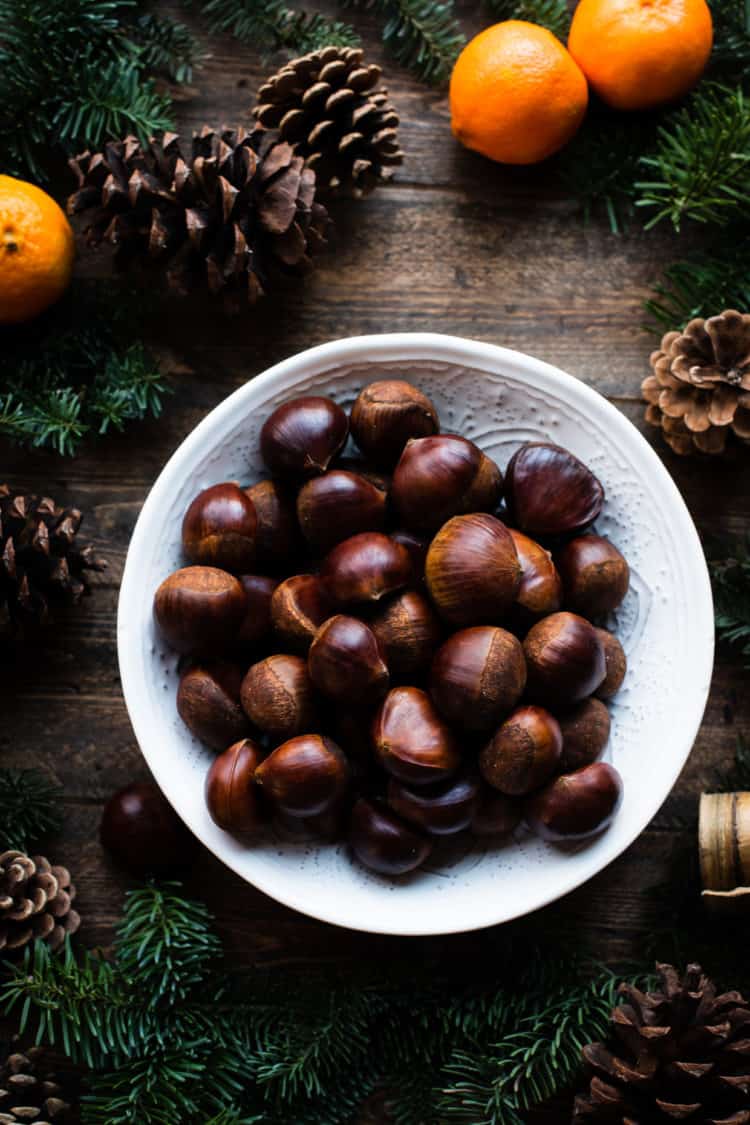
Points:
(271, 25)
(552, 14)
(29, 809)
(702, 285)
(422, 35)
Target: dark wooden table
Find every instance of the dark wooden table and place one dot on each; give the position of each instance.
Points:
(454, 245)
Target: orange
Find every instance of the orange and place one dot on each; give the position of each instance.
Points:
(641, 53)
(36, 250)
(516, 95)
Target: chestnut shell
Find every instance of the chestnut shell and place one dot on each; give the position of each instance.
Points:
(442, 809)
(594, 574)
(384, 842)
(523, 753)
(440, 477)
(472, 570)
(540, 590)
(220, 527)
(277, 538)
(231, 795)
(199, 610)
(345, 661)
(143, 833)
(301, 437)
(278, 697)
(410, 739)
(337, 505)
(365, 568)
(585, 731)
(408, 631)
(256, 623)
(386, 415)
(208, 702)
(564, 659)
(478, 675)
(550, 492)
(299, 607)
(615, 662)
(576, 805)
(305, 776)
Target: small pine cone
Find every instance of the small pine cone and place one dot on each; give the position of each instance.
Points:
(35, 902)
(699, 391)
(329, 106)
(236, 213)
(41, 560)
(681, 1053)
(31, 1095)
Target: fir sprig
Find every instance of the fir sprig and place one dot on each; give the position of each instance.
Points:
(702, 284)
(423, 35)
(167, 47)
(552, 14)
(270, 25)
(29, 808)
(730, 577)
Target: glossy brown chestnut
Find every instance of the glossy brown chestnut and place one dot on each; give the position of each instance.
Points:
(384, 842)
(477, 677)
(576, 805)
(441, 809)
(365, 568)
(616, 664)
(495, 814)
(585, 732)
(472, 570)
(301, 438)
(540, 592)
(299, 607)
(386, 415)
(277, 536)
(219, 529)
(208, 702)
(143, 832)
(594, 574)
(200, 610)
(550, 492)
(440, 477)
(417, 548)
(256, 624)
(524, 752)
(277, 695)
(410, 739)
(564, 659)
(345, 662)
(338, 505)
(231, 794)
(304, 776)
(408, 631)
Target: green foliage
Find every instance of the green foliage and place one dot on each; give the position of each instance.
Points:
(729, 565)
(73, 372)
(166, 47)
(170, 1036)
(702, 285)
(423, 35)
(29, 808)
(552, 14)
(270, 25)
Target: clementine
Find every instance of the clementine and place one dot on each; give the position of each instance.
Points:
(36, 250)
(641, 53)
(516, 95)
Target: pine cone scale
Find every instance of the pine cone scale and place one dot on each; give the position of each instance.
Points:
(36, 901)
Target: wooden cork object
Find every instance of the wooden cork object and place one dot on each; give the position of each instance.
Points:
(724, 845)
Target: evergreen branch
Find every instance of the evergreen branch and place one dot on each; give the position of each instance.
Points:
(730, 578)
(167, 47)
(552, 14)
(110, 101)
(700, 166)
(702, 285)
(29, 809)
(271, 25)
(422, 35)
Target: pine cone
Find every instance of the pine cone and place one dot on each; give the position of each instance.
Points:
(238, 213)
(30, 1096)
(326, 104)
(700, 388)
(35, 901)
(682, 1053)
(40, 560)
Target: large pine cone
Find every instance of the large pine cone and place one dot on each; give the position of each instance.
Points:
(679, 1054)
(35, 901)
(41, 560)
(699, 391)
(329, 106)
(29, 1095)
(238, 212)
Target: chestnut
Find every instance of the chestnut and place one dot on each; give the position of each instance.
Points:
(305, 776)
(301, 437)
(219, 529)
(231, 794)
(208, 702)
(143, 833)
(345, 661)
(417, 548)
(411, 740)
(408, 631)
(386, 415)
(365, 568)
(338, 505)
(523, 753)
(550, 492)
(495, 814)
(277, 533)
(616, 664)
(564, 659)
(299, 607)
(384, 842)
(277, 695)
(594, 574)
(443, 476)
(477, 677)
(585, 733)
(440, 809)
(576, 805)
(200, 610)
(256, 624)
(540, 591)
(472, 570)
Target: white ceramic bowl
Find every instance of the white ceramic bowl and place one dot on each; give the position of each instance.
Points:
(498, 398)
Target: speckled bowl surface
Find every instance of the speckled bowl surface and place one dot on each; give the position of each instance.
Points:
(499, 399)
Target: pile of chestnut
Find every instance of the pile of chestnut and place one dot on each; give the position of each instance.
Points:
(401, 644)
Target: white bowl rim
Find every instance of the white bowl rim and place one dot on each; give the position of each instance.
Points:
(403, 347)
